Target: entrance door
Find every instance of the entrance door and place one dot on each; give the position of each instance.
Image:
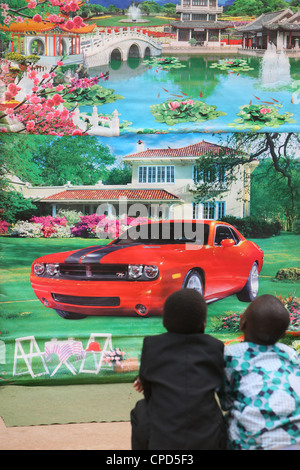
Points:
(184, 35)
(200, 37)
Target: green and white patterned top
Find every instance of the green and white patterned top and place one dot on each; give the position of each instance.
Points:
(262, 395)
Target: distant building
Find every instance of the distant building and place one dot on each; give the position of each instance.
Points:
(282, 28)
(161, 182)
(199, 21)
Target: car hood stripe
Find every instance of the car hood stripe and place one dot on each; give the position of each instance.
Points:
(90, 255)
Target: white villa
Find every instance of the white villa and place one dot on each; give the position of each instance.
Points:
(161, 185)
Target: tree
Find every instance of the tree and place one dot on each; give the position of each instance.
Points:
(239, 149)
(271, 196)
(256, 7)
(51, 160)
(119, 175)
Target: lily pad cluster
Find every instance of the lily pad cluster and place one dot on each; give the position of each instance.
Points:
(258, 116)
(175, 112)
(95, 95)
(233, 65)
(165, 63)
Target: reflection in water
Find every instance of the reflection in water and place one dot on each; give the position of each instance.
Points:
(275, 68)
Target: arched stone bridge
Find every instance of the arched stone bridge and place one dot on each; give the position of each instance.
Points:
(102, 48)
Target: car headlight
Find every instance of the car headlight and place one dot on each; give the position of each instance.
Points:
(135, 271)
(45, 269)
(39, 269)
(141, 272)
(52, 269)
(151, 271)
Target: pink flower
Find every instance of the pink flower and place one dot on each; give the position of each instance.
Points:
(174, 105)
(45, 76)
(8, 96)
(78, 22)
(4, 6)
(69, 24)
(13, 89)
(77, 132)
(7, 19)
(49, 103)
(32, 4)
(34, 99)
(37, 18)
(59, 63)
(32, 74)
(59, 88)
(264, 110)
(30, 126)
(57, 99)
(19, 19)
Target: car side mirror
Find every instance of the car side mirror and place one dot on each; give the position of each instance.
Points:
(227, 242)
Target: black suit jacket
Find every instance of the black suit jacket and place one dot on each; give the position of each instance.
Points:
(180, 374)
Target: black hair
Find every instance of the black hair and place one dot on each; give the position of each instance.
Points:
(265, 320)
(185, 312)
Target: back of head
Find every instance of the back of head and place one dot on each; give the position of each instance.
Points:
(185, 312)
(265, 320)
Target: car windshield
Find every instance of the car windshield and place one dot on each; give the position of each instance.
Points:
(163, 233)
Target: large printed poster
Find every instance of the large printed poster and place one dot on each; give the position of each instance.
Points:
(145, 147)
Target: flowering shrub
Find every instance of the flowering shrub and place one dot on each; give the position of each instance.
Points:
(49, 220)
(258, 116)
(87, 226)
(4, 227)
(114, 357)
(27, 230)
(174, 112)
(230, 320)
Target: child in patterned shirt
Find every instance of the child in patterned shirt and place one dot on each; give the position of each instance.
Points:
(262, 381)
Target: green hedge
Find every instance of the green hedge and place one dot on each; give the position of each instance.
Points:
(253, 227)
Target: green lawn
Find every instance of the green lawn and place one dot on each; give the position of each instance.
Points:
(23, 315)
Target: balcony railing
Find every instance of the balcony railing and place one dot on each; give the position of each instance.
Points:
(199, 8)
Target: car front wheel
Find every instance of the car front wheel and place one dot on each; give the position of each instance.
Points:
(194, 281)
(70, 315)
(250, 291)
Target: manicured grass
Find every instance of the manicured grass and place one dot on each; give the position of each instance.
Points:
(23, 315)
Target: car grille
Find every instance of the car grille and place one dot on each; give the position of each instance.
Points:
(87, 301)
(96, 272)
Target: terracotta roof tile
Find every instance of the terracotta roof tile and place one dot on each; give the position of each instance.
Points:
(195, 150)
(111, 194)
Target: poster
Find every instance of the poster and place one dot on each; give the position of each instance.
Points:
(113, 115)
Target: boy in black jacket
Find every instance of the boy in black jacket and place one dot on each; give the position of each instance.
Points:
(180, 372)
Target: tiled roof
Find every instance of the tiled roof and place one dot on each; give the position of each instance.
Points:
(202, 24)
(196, 150)
(43, 26)
(111, 194)
(265, 20)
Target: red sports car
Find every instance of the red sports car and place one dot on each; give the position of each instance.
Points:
(135, 273)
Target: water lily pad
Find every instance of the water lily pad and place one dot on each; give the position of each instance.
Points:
(175, 112)
(258, 116)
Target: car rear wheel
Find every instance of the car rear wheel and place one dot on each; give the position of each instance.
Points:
(250, 291)
(194, 281)
(70, 315)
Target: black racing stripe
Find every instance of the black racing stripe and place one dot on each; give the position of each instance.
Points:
(87, 255)
(75, 257)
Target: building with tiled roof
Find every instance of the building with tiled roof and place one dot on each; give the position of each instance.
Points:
(48, 40)
(281, 28)
(162, 180)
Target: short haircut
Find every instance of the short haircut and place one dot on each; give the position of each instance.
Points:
(185, 312)
(267, 319)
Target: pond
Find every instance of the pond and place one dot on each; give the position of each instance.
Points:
(203, 93)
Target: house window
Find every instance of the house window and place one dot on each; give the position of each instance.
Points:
(213, 3)
(157, 174)
(209, 175)
(202, 3)
(209, 210)
(185, 16)
(213, 35)
(212, 17)
(197, 17)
